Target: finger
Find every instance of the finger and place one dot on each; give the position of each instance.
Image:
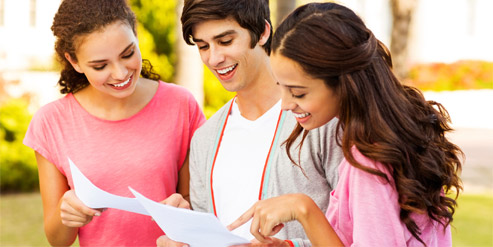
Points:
(184, 204)
(76, 221)
(255, 228)
(164, 241)
(244, 218)
(276, 229)
(173, 200)
(71, 199)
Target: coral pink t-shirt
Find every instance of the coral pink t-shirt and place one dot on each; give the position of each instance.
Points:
(144, 151)
(364, 211)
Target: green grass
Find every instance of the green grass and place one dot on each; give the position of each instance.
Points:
(473, 221)
(21, 222)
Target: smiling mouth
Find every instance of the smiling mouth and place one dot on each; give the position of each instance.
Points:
(123, 83)
(301, 115)
(226, 70)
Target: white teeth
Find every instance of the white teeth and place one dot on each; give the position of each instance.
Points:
(123, 83)
(226, 70)
(301, 115)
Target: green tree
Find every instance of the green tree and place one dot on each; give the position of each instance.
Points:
(18, 170)
(156, 31)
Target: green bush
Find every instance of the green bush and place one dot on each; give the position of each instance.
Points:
(215, 95)
(18, 170)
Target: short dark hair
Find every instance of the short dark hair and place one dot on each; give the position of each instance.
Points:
(250, 14)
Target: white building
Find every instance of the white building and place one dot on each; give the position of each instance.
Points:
(26, 40)
(443, 31)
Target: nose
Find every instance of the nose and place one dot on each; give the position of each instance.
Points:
(216, 57)
(287, 104)
(119, 72)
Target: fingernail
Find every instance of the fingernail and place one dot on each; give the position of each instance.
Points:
(97, 213)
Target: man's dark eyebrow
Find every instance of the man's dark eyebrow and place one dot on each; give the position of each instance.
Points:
(104, 60)
(294, 87)
(226, 33)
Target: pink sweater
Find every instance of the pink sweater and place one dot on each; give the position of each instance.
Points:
(364, 211)
(144, 151)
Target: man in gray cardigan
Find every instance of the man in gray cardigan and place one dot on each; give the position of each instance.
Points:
(237, 157)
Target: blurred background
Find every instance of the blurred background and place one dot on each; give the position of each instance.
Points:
(443, 47)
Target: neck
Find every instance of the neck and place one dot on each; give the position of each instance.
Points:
(106, 107)
(257, 100)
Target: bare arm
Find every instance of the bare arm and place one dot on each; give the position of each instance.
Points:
(63, 212)
(184, 180)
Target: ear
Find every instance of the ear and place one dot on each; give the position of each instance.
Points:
(265, 35)
(73, 62)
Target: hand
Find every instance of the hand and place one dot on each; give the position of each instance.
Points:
(268, 215)
(271, 242)
(176, 200)
(73, 211)
(164, 241)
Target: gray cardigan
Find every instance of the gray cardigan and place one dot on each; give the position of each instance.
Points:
(320, 158)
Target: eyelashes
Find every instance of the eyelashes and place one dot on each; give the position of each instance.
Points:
(98, 68)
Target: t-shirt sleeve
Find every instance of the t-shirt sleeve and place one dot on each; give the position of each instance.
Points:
(373, 206)
(37, 135)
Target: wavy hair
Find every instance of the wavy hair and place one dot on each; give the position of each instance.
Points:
(77, 18)
(385, 120)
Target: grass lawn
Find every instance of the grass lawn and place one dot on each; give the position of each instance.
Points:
(21, 221)
(473, 220)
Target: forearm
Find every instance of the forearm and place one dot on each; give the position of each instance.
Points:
(315, 224)
(56, 232)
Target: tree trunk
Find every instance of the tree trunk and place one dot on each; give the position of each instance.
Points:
(402, 13)
(189, 67)
(283, 8)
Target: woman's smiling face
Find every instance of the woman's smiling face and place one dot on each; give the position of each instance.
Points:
(311, 101)
(110, 58)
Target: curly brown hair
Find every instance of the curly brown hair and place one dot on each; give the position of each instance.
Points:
(386, 121)
(77, 18)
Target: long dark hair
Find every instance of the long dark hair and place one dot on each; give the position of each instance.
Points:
(386, 121)
(76, 18)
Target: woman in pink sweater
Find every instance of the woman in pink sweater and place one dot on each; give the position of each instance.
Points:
(398, 165)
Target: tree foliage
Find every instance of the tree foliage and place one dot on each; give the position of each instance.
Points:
(156, 33)
(18, 170)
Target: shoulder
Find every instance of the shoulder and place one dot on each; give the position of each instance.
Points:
(55, 109)
(367, 163)
(213, 124)
(174, 90)
(174, 97)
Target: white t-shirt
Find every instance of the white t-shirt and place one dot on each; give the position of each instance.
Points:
(240, 163)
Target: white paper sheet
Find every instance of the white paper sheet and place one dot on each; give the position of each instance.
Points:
(94, 197)
(194, 228)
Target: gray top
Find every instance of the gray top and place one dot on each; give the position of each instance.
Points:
(320, 158)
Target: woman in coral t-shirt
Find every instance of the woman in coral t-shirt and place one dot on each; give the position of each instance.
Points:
(119, 128)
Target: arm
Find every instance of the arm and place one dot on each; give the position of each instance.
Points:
(198, 177)
(63, 211)
(183, 186)
(182, 198)
(268, 216)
